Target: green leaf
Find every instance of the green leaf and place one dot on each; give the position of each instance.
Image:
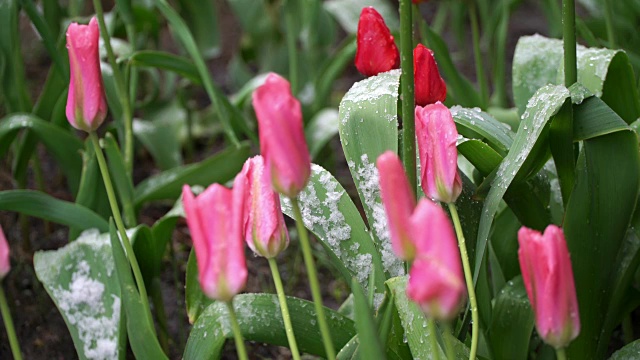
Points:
(12, 75)
(320, 129)
(544, 104)
(62, 145)
(497, 134)
(196, 300)
(415, 326)
(120, 178)
(166, 61)
(163, 134)
(142, 336)
(219, 168)
(202, 18)
(369, 127)
(347, 12)
(41, 205)
(366, 325)
(504, 240)
(629, 351)
(596, 221)
(260, 320)
(512, 322)
(80, 279)
(330, 214)
(48, 39)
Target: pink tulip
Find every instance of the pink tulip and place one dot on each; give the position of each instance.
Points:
(548, 278)
(282, 141)
(5, 264)
(86, 104)
(264, 229)
(399, 203)
(215, 220)
(437, 135)
(436, 281)
(376, 50)
(430, 88)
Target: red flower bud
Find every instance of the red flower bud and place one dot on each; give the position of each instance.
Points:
(376, 52)
(5, 265)
(429, 86)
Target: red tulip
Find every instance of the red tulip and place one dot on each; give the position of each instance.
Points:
(429, 86)
(5, 264)
(264, 229)
(86, 104)
(436, 281)
(215, 220)
(437, 136)
(548, 278)
(376, 51)
(399, 203)
(282, 141)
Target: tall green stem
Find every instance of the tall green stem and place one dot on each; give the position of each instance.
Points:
(569, 36)
(451, 355)
(468, 276)
(477, 54)
(435, 348)
(8, 324)
(291, 46)
(237, 334)
(284, 309)
(313, 280)
(608, 18)
(121, 89)
(408, 93)
(115, 210)
(560, 354)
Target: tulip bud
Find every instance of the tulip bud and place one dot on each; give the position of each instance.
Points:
(264, 229)
(429, 86)
(436, 281)
(437, 136)
(86, 104)
(215, 219)
(282, 141)
(548, 279)
(376, 51)
(399, 203)
(5, 264)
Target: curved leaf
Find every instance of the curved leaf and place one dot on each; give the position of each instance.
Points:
(260, 320)
(166, 61)
(497, 134)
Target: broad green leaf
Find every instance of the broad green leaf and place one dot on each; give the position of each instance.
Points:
(12, 75)
(544, 104)
(202, 18)
(195, 299)
(538, 61)
(162, 134)
(322, 128)
(629, 351)
(219, 168)
(142, 337)
(349, 351)
(497, 134)
(512, 322)
(596, 221)
(504, 240)
(44, 206)
(347, 12)
(414, 322)
(330, 214)
(260, 320)
(369, 127)
(166, 61)
(62, 145)
(366, 326)
(81, 280)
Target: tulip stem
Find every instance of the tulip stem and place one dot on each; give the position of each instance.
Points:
(468, 276)
(291, 46)
(102, 163)
(121, 89)
(293, 346)
(569, 37)
(237, 334)
(560, 354)
(313, 280)
(408, 94)
(8, 324)
(480, 74)
(435, 348)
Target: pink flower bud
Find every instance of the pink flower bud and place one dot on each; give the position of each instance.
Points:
(282, 141)
(436, 281)
(399, 203)
(376, 51)
(548, 278)
(215, 219)
(429, 86)
(5, 264)
(86, 104)
(437, 136)
(264, 229)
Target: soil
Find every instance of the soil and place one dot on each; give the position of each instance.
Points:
(40, 328)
